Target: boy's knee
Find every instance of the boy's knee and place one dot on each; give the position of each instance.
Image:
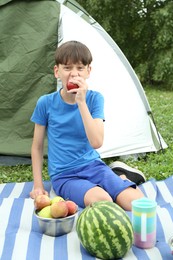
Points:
(96, 194)
(125, 198)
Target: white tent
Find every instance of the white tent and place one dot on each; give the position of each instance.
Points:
(26, 69)
(128, 126)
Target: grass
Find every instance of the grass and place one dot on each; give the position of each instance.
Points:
(153, 165)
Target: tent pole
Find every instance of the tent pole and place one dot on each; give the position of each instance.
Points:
(152, 117)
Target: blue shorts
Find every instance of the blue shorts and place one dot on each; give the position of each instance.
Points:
(75, 183)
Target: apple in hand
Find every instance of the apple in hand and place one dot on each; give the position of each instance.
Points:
(71, 85)
(41, 201)
(45, 212)
(72, 207)
(59, 209)
(56, 199)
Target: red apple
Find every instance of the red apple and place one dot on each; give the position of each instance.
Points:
(59, 209)
(71, 85)
(41, 201)
(72, 207)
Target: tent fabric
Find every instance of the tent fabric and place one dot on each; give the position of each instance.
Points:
(128, 126)
(29, 34)
(3, 2)
(75, 7)
(21, 238)
(28, 39)
(7, 160)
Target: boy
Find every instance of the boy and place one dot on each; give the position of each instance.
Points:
(73, 120)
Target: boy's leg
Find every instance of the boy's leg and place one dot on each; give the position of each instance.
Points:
(96, 194)
(81, 191)
(95, 183)
(125, 198)
(110, 185)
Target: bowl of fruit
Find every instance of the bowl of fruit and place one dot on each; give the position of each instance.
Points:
(55, 216)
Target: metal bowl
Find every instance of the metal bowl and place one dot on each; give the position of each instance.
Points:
(56, 226)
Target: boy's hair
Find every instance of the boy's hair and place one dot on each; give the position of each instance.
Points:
(73, 52)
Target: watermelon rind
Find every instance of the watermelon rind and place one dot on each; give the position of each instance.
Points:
(105, 230)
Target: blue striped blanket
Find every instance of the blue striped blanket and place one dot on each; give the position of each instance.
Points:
(20, 237)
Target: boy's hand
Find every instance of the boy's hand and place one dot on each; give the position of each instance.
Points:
(34, 193)
(79, 84)
(81, 90)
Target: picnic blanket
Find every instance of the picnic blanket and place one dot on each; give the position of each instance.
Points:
(20, 236)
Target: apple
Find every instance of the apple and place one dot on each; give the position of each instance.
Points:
(72, 207)
(56, 199)
(42, 201)
(59, 209)
(71, 85)
(45, 212)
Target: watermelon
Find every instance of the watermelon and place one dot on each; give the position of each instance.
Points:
(105, 230)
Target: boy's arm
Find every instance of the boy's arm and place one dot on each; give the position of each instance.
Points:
(37, 160)
(94, 128)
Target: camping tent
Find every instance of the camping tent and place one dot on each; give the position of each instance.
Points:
(29, 34)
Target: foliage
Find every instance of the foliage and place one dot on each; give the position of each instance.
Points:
(143, 31)
(154, 165)
(19, 173)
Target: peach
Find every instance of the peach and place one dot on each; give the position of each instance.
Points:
(42, 201)
(72, 207)
(59, 209)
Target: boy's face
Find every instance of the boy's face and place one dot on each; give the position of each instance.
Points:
(71, 71)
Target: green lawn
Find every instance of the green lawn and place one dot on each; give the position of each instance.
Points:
(154, 165)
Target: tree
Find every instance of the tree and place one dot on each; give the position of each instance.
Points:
(159, 61)
(143, 31)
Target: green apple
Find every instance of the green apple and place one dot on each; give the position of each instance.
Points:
(56, 199)
(45, 212)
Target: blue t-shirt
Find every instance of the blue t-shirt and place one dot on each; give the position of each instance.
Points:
(68, 146)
